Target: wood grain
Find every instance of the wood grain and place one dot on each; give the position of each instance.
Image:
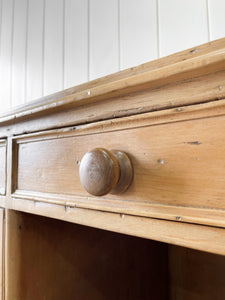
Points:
(183, 66)
(205, 238)
(172, 164)
(2, 254)
(102, 171)
(195, 275)
(167, 116)
(197, 90)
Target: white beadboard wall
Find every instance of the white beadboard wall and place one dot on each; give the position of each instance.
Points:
(50, 45)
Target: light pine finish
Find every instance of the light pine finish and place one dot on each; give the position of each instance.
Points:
(205, 238)
(160, 26)
(182, 79)
(171, 152)
(189, 64)
(2, 254)
(166, 115)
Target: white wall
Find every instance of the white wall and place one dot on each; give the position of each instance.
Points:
(50, 45)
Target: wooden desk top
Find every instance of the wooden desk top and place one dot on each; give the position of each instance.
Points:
(168, 115)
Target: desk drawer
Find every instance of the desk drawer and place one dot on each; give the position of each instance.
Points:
(178, 166)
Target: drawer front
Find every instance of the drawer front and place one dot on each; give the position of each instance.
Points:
(178, 167)
(2, 167)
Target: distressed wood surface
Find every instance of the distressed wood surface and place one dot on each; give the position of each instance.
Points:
(185, 66)
(171, 155)
(206, 238)
(166, 115)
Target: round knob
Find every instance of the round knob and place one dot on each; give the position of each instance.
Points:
(102, 172)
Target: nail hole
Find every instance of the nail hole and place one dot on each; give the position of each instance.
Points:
(161, 161)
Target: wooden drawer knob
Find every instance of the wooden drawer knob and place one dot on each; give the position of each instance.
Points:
(102, 172)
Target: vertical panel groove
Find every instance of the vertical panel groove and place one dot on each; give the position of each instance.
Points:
(157, 26)
(26, 45)
(43, 49)
(11, 54)
(103, 37)
(88, 42)
(163, 15)
(138, 31)
(63, 45)
(119, 37)
(34, 50)
(1, 5)
(208, 21)
(76, 42)
(53, 46)
(216, 18)
(183, 24)
(19, 53)
(5, 59)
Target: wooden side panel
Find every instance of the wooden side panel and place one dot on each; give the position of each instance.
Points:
(2, 167)
(195, 275)
(50, 259)
(2, 253)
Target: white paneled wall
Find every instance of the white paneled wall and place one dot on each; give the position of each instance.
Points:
(216, 10)
(35, 41)
(76, 41)
(6, 34)
(103, 37)
(138, 33)
(182, 24)
(19, 52)
(50, 45)
(53, 55)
